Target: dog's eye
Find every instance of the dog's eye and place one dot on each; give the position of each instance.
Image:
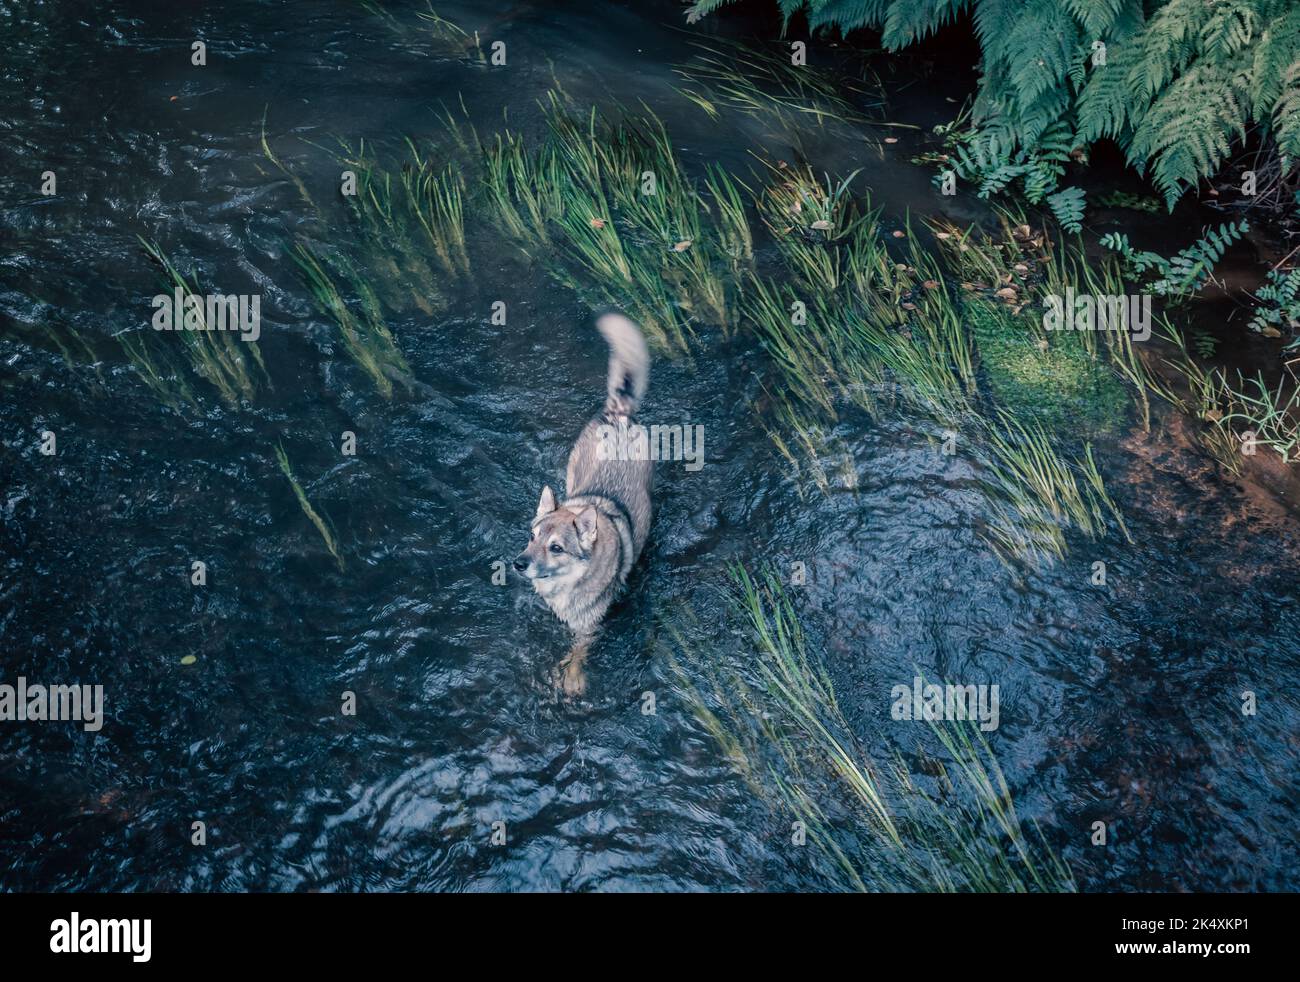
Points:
(532, 536)
(556, 548)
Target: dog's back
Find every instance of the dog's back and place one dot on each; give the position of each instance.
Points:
(580, 551)
(601, 470)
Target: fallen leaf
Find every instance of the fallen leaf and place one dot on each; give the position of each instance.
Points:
(189, 659)
(598, 223)
(1271, 332)
(821, 225)
(173, 98)
(682, 246)
(1021, 268)
(909, 306)
(899, 233)
(931, 284)
(942, 235)
(1213, 415)
(1007, 293)
(891, 139)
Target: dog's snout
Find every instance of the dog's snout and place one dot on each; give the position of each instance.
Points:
(521, 562)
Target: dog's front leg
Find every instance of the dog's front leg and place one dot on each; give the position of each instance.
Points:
(572, 676)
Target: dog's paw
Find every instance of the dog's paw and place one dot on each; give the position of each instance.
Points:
(571, 679)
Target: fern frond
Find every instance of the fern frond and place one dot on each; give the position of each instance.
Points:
(1188, 130)
(907, 23)
(1068, 206)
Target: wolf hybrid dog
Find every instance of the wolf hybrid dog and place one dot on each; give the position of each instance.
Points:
(581, 550)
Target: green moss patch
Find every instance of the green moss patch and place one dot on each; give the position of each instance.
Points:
(1057, 383)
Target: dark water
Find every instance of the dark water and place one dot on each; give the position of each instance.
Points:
(1119, 704)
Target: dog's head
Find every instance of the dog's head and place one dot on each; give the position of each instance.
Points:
(560, 546)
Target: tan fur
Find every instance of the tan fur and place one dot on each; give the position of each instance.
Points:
(582, 550)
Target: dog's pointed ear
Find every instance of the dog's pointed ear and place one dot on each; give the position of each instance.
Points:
(586, 524)
(547, 504)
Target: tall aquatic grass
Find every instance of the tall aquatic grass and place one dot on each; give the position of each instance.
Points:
(157, 372)
(365, 335)
(607, 207)
(779, 722)
(233, 366)
(749, 80)
(1036, 494)
(322, 526)
(858, 322)
(408, 224)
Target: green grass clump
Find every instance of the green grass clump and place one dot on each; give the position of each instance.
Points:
(755, 82)
(855, 323)
(166, 383)
(233, 366)
(606, 206)
(1036, 493)
(365, 335)
(407, 225)
(779, 723)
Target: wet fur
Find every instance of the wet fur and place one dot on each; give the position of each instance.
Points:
(602, 525)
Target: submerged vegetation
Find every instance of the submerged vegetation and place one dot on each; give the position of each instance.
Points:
(233, 367)
(875, 824)
(608, 209)
(365, 335)
(750, 81)
(322, 526)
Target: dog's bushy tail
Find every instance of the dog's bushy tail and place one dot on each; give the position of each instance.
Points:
(629, 364)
